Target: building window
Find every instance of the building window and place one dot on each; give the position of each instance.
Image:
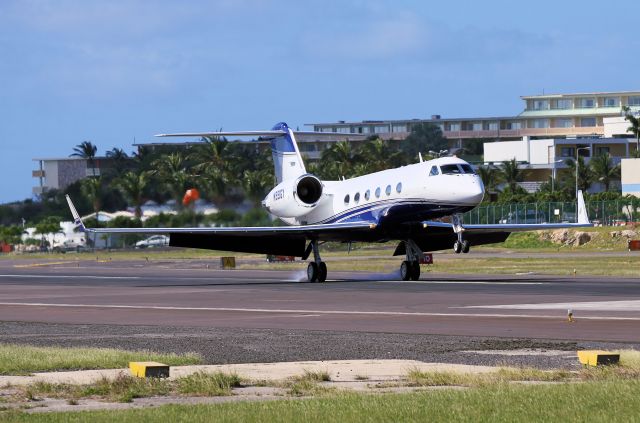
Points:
(452, 127)
(346, 199)
(513, 125)
(399, 128)
(634, 101)
(434, 171)
(539, 123)
(388, 190)
(492, 126)
(378, 192)
(381, 129)
(588, 121)
(344, 129)
(610, 102)
(367, 195)
(587, 103)
(567, 152)
(356, 198)
(563, 104)
(563, 123)
(540, 104)
(399, 187)
(601, 151)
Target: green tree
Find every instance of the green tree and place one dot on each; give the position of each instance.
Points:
(490, 177)
(10, 234)
(172, 172)
(585, 175)
(214, 174)
(604, 170)
(88, 151)
(132, 185)
(378, 154)
(48, 225)
(92, 189)
(424, 137)
(634, 128)
(511, 174)
(338, 160)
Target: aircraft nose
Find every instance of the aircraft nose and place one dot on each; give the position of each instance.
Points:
(474, 191)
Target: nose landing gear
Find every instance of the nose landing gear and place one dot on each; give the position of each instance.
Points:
(461, 245)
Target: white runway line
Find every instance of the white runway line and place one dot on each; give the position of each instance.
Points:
(317, 312)
(622, 305)
(69, 277)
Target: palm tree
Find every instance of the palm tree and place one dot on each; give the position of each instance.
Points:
(132, 185)
(634, 128)
(511, 174)
(489, 176)
(172, 171)
(339, 160)
(88, 151)
(377, 155)
(92, 189)
(585, 176)
(212, 168)
(603, 169)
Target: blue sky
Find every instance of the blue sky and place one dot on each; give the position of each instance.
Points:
(112, 71)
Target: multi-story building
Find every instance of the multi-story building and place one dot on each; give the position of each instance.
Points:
(544, 116)
(59, 173)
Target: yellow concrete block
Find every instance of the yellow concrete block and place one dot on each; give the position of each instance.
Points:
(597, 357)
(148, 369)
(228, 262)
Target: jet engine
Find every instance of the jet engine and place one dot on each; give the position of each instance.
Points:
(294, 198)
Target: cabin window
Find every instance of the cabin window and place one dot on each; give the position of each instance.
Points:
(378, 192)
(367, 195)
(356, 198)
(467, 169)
(399, 187)
(346, 199)
(434, 171)
(388, 190)
(450, 169)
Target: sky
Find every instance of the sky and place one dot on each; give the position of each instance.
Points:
(115, 72)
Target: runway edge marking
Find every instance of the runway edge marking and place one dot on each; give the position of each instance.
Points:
(320, 312)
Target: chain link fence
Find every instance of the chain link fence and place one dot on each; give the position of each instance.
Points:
(608, 213)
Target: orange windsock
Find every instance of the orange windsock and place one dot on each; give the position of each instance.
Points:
(190, 196)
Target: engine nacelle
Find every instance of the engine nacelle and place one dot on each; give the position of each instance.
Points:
(294, 198)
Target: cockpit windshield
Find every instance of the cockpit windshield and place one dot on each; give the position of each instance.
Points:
(450, 169)
(467, 169)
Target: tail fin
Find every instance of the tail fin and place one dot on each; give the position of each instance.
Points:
(76, 216)
(287, 161)
(583, 216)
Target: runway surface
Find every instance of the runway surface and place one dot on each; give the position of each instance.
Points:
(161, 294)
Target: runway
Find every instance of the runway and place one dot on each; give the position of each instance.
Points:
(163, 294)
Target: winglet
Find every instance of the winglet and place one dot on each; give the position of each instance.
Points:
(583, 217)
(76, 216)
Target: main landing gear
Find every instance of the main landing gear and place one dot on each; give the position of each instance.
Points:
(317, 269)
(410, 268)
(461, 245)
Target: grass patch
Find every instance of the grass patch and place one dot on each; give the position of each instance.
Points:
(23, 359)
(502, 375)
(593, 402)
(208, 384)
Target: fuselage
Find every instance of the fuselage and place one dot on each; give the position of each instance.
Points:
(425, 190)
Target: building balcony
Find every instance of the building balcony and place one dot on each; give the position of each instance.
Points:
(38, 190)
(37, 173)
(552, 132)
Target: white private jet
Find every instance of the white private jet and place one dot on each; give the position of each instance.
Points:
(395, 204)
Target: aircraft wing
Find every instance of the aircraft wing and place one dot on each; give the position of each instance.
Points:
(279, 240)
(441, 235)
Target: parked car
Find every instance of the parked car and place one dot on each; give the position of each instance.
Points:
(153, 241)
(70, 246)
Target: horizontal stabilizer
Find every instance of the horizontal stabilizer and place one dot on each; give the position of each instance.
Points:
(256, 134)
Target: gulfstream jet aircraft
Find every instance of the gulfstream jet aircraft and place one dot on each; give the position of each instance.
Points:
(396, 204)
